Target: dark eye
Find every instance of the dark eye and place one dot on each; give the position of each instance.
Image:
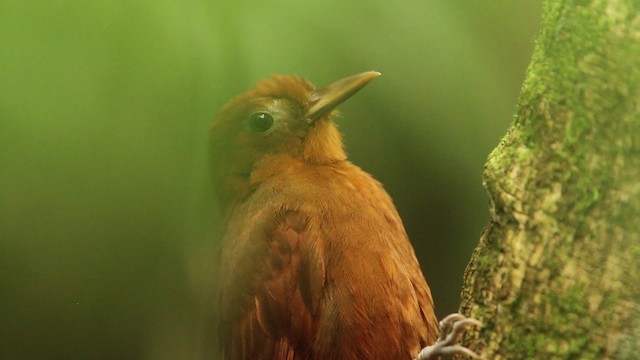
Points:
(260, 122)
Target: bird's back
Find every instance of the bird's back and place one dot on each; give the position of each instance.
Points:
(317, 265)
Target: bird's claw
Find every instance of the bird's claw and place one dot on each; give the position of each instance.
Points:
(451, 329)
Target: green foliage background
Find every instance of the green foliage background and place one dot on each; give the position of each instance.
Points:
(108, 224)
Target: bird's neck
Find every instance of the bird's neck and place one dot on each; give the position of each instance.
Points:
(323, 144)
(234, 189)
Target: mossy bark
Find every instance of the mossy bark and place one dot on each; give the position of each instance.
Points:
(556, 274)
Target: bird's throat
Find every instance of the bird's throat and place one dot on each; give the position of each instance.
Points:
(323, 144)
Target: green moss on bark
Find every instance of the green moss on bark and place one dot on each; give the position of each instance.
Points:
(556, 272)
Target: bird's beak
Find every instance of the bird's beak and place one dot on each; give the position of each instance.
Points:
(326, 99)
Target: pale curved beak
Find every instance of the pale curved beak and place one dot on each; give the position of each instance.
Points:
(326, 99)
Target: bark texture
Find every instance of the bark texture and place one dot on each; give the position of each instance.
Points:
(556, 274)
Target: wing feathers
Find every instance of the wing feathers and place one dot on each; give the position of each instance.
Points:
(289, 284)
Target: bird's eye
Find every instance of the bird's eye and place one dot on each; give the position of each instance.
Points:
(260, 122)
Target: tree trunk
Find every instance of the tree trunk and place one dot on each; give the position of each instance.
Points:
(556, 274)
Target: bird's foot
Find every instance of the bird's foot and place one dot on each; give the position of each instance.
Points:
(451, 329)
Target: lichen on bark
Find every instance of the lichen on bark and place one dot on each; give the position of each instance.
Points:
(556, 274)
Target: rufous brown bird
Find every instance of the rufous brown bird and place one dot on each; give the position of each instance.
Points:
(315, 261)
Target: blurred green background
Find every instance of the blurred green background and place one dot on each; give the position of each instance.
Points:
(108, 223)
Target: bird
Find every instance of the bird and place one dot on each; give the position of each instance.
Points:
(315, 262)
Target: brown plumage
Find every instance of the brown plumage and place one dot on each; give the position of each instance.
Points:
(316, 263)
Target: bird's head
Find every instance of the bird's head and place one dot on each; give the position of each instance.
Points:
(284, 118)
